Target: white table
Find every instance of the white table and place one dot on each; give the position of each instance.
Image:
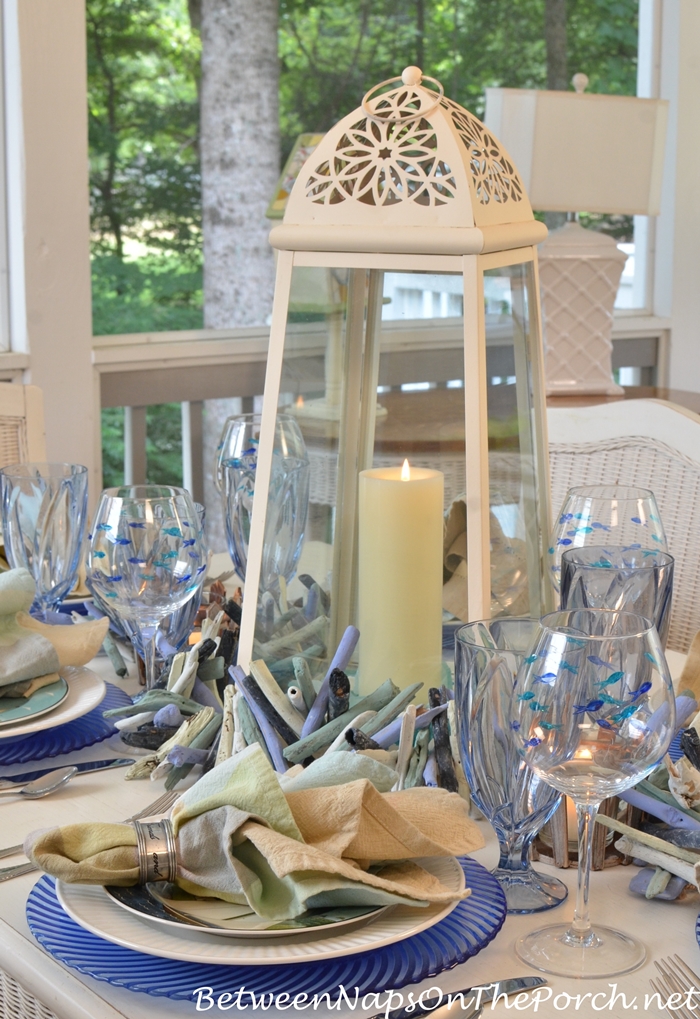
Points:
(664, 927)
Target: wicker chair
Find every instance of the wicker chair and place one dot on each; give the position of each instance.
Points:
(22, 437)
(650, 444)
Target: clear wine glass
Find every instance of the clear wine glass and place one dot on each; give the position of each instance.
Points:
(488, 655)
(288, 499)
(44, 512)
(618, 577)
(594, 710)
(597, 514)
(146, 559)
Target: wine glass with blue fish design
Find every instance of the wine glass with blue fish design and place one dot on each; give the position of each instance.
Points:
(594, 712)
(147, 558)
(605, 514)
(488, 655)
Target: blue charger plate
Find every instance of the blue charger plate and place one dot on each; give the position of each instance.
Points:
(469, 928)
(64, 739)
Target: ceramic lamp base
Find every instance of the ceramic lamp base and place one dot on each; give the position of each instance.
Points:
(604, 952)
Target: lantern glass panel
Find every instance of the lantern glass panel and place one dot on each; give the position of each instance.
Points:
(373, 373)
(517, 520)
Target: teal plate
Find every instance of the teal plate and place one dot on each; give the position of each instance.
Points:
(17, 709)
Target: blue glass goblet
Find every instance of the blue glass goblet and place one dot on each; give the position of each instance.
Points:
(44, 512)
(515, 801)
(619, 577)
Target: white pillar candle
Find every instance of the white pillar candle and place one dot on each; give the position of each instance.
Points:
(400, 576)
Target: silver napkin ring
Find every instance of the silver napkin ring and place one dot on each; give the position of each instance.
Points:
(156, 849)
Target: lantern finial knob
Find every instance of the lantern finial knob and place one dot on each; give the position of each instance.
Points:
(411, 75)
(580, 81)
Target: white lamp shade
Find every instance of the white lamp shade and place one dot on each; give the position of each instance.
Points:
(583, 153)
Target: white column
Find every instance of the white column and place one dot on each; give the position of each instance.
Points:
(56, 233)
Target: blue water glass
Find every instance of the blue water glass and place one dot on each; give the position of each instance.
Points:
(618, 577)
(288, 497)
(517, 803)
(44, 512)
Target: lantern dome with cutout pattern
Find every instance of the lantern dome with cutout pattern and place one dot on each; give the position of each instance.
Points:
(405, 326)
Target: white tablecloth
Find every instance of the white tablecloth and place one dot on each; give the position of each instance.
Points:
(664, 927)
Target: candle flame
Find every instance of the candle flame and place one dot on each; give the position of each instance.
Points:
(299, 402)
(406, 471)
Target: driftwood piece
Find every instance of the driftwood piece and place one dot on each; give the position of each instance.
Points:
(340, 743)
(233, 610)
(419, 758)
(271, 690)
(408, 728)
(302, 674)
(255, 696)
(338, 693)
(251, 729)
(357, 739)
(317, 713)
(318, 740)
(296, 699)
(315, 628)
(309, 582)
(201, 741)
(154, 700)
(227, 646)
(114, 655)
(391, 710)
(441, 737)
(391, 733)
(149, 737)
(283, 668)
(227, 726)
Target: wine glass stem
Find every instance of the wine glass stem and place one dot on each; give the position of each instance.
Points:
(149, 657)
(586, 814)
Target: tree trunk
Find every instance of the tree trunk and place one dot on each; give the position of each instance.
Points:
(555, 42)
(239, 143)
(557, 71)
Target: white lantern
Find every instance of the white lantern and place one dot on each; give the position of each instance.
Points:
(405, 326)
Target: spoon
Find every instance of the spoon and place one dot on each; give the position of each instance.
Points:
(44, 785)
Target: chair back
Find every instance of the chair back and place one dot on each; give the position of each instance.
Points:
(22, 436)
(648, 444)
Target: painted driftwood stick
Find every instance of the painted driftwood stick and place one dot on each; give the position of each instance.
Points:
(279, 700)
(391, 733)
(408, 728)
(227, 726)
(313, 629)
(302, 674)
(201, 741)
(338, 694)
(339, 743)
(317, 713)
(419, 758)
(283, 668)
(250, 728)
(296, 699)
(394, 708)
(356, 738)
(441, 737)
(256, 698)
(318, 740)
(153, 700)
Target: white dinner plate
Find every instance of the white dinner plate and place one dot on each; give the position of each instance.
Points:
(93, 909)
(85, 691)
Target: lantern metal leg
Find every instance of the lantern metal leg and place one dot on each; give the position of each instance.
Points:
(476, 444)
(344, 550)
(527, 452)
(273, 376)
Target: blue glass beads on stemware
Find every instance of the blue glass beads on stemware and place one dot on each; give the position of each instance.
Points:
(598, 514)
(516, 802)
(44, 512)
(469, 928)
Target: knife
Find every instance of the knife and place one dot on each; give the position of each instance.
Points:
(483, 993)
(29, 776)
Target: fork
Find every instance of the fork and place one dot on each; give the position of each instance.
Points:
(677, 978)
(159, 806)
